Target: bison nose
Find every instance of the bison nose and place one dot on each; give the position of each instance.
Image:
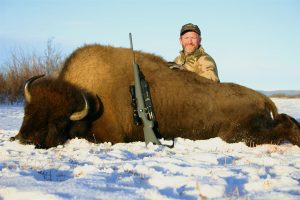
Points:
(15, 137)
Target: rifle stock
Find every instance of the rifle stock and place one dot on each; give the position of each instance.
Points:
(149, 134)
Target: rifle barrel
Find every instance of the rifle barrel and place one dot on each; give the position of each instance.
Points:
(131, 46)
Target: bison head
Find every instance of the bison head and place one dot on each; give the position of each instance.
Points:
(56, 111)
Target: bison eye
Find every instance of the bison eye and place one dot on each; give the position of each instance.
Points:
(61, 125)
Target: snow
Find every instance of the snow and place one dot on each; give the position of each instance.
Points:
(203, 169)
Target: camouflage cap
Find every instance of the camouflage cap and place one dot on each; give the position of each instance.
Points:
(189, 27)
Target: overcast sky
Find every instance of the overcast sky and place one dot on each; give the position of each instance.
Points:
(255, 43)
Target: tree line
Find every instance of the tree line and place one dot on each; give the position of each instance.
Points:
(289, 96)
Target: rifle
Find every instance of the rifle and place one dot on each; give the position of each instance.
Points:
(143, 110)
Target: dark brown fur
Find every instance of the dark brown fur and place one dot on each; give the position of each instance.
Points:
(186, 105)
(46, 119)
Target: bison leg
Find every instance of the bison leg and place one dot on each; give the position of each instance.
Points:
(289, 126)
(284, 128)
(262, 129)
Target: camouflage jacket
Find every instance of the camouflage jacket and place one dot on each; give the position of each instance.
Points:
(199, 62)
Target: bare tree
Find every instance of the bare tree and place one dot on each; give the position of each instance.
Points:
(21, 67)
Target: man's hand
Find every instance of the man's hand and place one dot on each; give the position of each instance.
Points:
(173, 65)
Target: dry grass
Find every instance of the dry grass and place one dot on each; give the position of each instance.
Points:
(21, 67)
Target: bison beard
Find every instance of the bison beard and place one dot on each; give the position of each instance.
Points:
(186, 105)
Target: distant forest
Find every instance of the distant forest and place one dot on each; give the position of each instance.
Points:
(20, 67)
(282, 95)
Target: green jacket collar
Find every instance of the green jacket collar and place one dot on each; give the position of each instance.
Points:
(196, 54)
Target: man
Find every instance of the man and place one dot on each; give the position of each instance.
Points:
(193, 57)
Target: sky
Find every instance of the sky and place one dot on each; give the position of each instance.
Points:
(255, 43)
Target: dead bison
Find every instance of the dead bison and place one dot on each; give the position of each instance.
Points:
(186, 105)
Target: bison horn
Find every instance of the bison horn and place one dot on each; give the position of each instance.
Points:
(81, 114)
(26, 87)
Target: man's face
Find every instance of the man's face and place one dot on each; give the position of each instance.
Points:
(190, 41)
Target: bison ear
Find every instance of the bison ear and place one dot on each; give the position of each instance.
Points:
(26, 87)
(83, 113)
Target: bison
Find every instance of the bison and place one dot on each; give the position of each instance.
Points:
(90, 99)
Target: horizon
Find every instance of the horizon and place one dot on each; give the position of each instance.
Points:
(254, 43)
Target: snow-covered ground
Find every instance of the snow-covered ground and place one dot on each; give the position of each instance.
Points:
(207, 169)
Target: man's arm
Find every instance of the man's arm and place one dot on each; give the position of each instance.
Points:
(208, 68)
